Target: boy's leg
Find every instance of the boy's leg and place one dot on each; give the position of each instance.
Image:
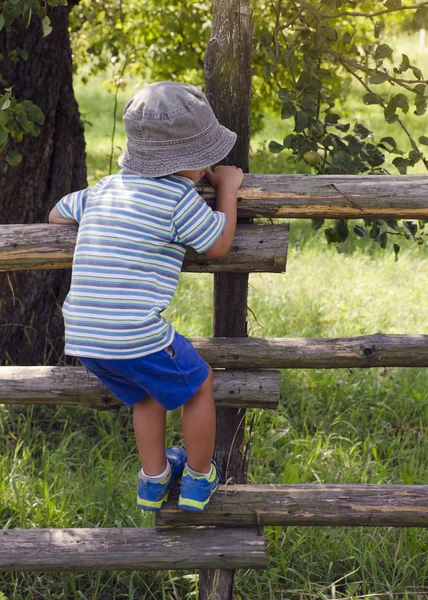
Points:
(161, 469)
(149, 427)
(200, 476)
(199, 425)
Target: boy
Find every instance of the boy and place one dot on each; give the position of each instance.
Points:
(134, 229)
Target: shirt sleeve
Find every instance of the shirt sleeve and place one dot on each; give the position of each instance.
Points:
(72, 205)
(195, 224)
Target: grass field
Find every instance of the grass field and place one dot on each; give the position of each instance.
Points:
(63, 467)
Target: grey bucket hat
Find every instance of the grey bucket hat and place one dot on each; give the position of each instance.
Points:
(171, 127)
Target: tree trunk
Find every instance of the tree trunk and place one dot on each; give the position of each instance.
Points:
(228, 82)
(53, 165)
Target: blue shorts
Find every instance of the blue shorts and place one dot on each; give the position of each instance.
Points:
(170, 376)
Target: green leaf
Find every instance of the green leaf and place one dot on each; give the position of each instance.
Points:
(342, 230)
(411, 226)
(275, 147)
(393, 224)
(388, 143)
(361, 231)
(378, 78)
(13, 158)
(423, 140)
(404, 65)
(414, 156)
(383, 51)
(343, 127)
(1, 22)
(285, 95)
(332, 118)
(417, 73)
(393, 4)
(301, 121)
(46, 25)
(3, 137)
(421, 88)
(317, 224)
(361, 130)
(288, 110)
(331, 235)
(372, 99)
(379, 27)
(382, 240)
(401, 164)
(288, 140)
(374, 231)
(396, 248)
(421, 106)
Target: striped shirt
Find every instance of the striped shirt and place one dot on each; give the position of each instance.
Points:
(129, 253)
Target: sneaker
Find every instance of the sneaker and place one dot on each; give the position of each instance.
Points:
(152, 496)
(196, 492)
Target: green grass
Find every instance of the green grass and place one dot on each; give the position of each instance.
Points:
(67, 467)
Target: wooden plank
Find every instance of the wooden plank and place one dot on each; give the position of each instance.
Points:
(309, 504)
(256, 248)
(77, 386)
(379, 350)
(330, 196)
(129, 549)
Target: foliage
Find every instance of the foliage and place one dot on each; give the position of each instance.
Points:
(316, 50)
(19, 116)
(158, 39)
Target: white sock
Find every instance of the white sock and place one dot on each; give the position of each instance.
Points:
(157, 478)
(197, 473)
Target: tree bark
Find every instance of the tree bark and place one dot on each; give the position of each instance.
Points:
(53, 165)
(228, 83)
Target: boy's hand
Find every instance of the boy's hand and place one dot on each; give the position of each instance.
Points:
(223, 177)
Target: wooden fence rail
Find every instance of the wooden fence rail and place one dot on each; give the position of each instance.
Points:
(77, 386)
(255, 248)
(379, 350)
(129, 549)
(331, 196)
(308, 504)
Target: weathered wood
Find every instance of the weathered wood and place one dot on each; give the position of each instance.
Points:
(77, 386)
(379, 350)
(129, 549)
(228, 85)
(309, 504)
(255, 248)
(331, 196)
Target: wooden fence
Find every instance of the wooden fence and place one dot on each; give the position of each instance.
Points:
(230, 533)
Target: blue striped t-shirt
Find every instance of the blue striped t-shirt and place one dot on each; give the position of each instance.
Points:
(129, 253)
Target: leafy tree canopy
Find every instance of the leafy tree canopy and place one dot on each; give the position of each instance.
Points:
(306, 55)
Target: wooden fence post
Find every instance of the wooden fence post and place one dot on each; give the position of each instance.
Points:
(228, 87)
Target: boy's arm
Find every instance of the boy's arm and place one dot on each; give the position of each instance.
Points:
(56, 219)
(69, 210)
(226, 181)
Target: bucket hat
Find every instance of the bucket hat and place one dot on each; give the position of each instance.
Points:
(171, 127)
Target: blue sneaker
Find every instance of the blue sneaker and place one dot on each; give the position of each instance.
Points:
(152, 496)
(196, 492)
